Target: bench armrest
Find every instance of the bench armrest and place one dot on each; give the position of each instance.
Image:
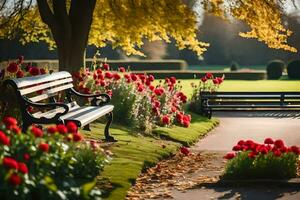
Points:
(96, 101)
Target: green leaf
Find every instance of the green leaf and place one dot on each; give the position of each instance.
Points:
(87, 188)
(49, 183)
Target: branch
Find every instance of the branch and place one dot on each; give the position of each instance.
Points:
(46, 13)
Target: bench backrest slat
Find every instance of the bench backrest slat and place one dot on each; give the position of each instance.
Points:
(50, 93)
(34, 80)
(43, 86)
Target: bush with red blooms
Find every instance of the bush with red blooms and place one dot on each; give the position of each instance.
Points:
(207, 83)
(138, 102)
(46, 164)
(272, 160)
(15, 69)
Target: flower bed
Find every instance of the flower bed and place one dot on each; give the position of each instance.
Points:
(271, 160)
(47, 165)
(138, 103)
(207, 83)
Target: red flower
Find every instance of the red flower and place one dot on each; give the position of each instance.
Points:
(22, 168)
(252, 154)
(37, 132)
(209, 75)
(102, 83)
(106, 66)
(229, 156)
(116, 76)
(133, 77)
(9, 121)
(15, 129)
(72, 127)
(51, 129)
(122, 69)
(42, 71)
(4, 139)
(151, 78)
(151, 87)
(20, 74)
(15, 179)
(179, 117)
(277, 153)
(186, 123)
(159, 91)
(237, 148)
(62, 129)
(140, 88)
(34, 71)
(269, 141)
(279, 143)
(44, 147)
(295, 149)
(263, 150)
(101, 76)
(13, 67)
(10, 163)
(77, 137)
(216, 81)
(99, 71)
(241, 142)
(185, 151)
(220, 79)
(203, 79)
(108, 75)
(173, 80)
(20, 58)
(165, 119)
(26, 156)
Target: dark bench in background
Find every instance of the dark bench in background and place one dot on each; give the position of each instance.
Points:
(53, 112)
(233, 101)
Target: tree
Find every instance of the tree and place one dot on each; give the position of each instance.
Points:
(70, 25)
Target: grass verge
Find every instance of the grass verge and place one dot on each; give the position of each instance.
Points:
(133, 153)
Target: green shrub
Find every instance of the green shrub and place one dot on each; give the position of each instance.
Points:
(293, 69)
(275, 69)
(271, 160)
(234, 66)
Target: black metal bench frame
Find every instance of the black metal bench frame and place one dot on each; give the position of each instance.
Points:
(233, 101)
(29, 85)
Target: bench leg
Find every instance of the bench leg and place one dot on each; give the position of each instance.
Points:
(25, 126)
(108, 137)
(87, 127)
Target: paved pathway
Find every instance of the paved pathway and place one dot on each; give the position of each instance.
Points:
(236, 126)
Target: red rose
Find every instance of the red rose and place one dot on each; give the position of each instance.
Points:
(203, 79)
(229, 156)
(42, 71)
(37, 131)
(9, 121)
(34, 71)
(185, 151)
(4, 139)
(13, 67)
(122, 69)
(133, 77)
(77, 137)
(15, 179)
(26, 156)
(241, 142)
(295, 149)
(140, 88)
(151, 87)
(209, 75)
(269, 141)
(263, 150)
(116, 76)
(72, 127)
(220, 79)
(252, 154)
(102, 83)
(277, 153)
(186, 123)
(62, 129)
(51, 129)
(108, 75)
(22, 168)
(216, 81)
(237, 148)
(151, 78)
(44, 147)
(165, 119)
(106, 66)
(20, 58)
(15, 129)
(10, 163)
(279, 143)
(20, 74)
(99, 71)
(173, 80)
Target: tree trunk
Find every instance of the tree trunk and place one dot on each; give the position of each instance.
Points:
(70, 30)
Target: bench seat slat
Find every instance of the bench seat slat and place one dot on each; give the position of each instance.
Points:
(51, 113)
(86, 114)
(50, 93)
(45, 86)
(33, 80)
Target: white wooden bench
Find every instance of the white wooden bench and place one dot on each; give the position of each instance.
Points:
(28, 91)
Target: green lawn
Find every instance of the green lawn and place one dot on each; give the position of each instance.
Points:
(241, 85)
(133, 152)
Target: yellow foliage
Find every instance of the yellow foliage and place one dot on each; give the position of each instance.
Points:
(126, 23)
